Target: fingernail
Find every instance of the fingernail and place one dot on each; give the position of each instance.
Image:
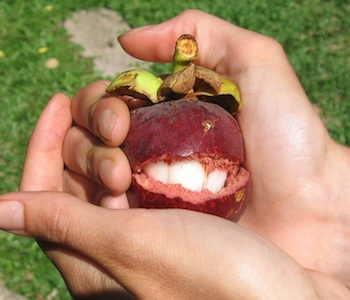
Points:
(135, 30)
(107, 167)
(105, 123)
(11, 216)
(115, 202)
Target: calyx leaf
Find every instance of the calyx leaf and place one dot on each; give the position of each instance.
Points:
(178, 84)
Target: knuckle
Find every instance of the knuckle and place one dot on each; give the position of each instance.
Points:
(267, 46)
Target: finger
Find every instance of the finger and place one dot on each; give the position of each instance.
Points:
(95, 233)
(43, 167)
(88, 190)
(104, 116)
(86, 155)
(222, 45)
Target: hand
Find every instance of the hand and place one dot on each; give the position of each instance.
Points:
(139, 249)
(293, 132)
(300, 195)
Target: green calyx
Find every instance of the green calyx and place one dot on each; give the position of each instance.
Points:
(136, 83)
(187, 80)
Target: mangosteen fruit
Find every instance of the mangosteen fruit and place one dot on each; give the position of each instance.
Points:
(184, 145)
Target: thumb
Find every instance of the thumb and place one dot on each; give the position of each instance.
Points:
(136, 247)
(43, 168)
(61, 218)
(98, 235)
(224, 47)
(217, 39)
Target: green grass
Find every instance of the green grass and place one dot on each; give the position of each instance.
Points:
(314, 34)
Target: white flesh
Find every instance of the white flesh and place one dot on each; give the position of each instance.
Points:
(190, 174)
(216, 181)
(158, 171)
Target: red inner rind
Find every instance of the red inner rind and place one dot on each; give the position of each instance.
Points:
(230, 206)
(235, 181)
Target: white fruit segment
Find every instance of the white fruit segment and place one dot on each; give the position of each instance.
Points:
(158, 171)
(190, 174)
(216, 180)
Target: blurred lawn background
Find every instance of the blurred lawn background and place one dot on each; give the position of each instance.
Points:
(314, 33)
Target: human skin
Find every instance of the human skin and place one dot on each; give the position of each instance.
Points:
(293, 239)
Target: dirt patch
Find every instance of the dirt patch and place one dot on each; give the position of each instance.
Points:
(5, 294)
(97, 32)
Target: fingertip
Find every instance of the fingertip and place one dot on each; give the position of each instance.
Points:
(115, 202)
(134, 31)
(104, 115)
(84, 99)
(105, 124)
(12, 216)
(115, 173)
(56, 111)
(111, 121)
(44, 164)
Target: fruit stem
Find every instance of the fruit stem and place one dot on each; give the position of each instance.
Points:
(186, 50)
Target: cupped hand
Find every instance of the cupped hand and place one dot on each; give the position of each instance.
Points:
(299, 174)
(119, 254)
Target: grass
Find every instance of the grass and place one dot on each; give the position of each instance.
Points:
(313, 33)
